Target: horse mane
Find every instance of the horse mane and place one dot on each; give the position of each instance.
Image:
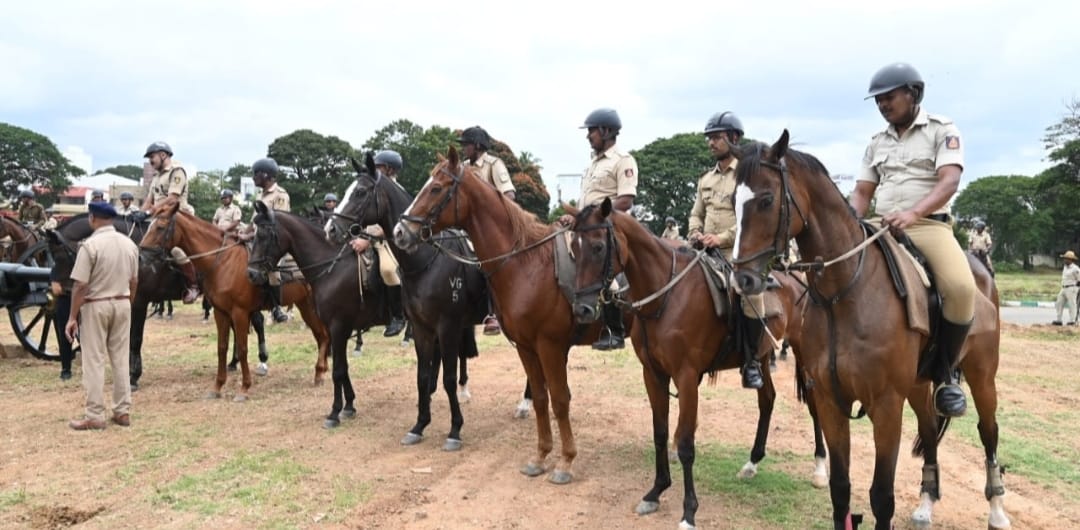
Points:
(525, 226)
(750, 157)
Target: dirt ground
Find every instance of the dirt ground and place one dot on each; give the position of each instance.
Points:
(189, 462)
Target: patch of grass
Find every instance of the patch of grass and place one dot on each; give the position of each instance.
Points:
(348, 495)
(1041, 284)
(1052, 335)
(12, 498)
(177, 445)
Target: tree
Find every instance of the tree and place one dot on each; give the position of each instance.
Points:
(235, 173)
(1066, 130)
(668, 173)
(418, 147)
(204, 191)
(1010, 207)
(127, 171)
(319, 164)
(529, 189)
(31, 159)
(1058, 192)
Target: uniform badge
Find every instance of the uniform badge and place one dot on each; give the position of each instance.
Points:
(176, 179)
(629, 173)
(952, 142)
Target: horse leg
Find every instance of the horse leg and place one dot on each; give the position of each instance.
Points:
(538, 384)
(468, 349)
(657, 384)
(258, 323)
(339, 340)
(425, 353)
(450, 341)
(526, 403)
(837, 429)
(240, 331)
(886, 417)
(138, 325)
(980, 369)
(359, 349)
(559, 393)
(686, 384)
(766, 397)
(925, 446)
(820, 478)
(318, 330)
(221, 321)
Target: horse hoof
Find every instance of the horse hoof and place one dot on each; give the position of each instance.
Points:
(748, 471)
(451, 445)
(231, 368)
(239, 398)
(331, 423)
(262, 369)
(412, 439)
(819, 481)
(134, 387)
(348, 413)
(560, 477)
(646, 507)
(532, 470)
(463, 395)
(213, 395)
(683, 525)
(522, 410)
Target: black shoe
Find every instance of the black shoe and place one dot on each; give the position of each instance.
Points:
(1055, 323)
(609, 341)
(949, 400)
(65, 375)
(751, 375)
(395, 327)
(279, 315)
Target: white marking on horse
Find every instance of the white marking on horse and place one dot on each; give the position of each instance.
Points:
(408, 211)
(341, 205)
(743, 195)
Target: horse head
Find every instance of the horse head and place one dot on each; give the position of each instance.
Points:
(63, 251)
(267, 246)
(362, 204)
(161, 235)
(429, 214)
(599, 258)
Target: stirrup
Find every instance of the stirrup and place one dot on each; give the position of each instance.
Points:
(191, 294)
(491, 326)
(953, 406)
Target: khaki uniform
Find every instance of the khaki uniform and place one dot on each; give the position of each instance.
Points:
(905, 171)
(714, 207)
(980, 241)
(172, 179)
(50, 224)
(672, 233)
(492, 170)
(130, 209)
(225, 216)
(612, 174)
(107, 262)
(1070, 285)
(388, 265)
(32, 213)
(276, 198)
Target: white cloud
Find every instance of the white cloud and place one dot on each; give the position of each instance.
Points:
(79, 158)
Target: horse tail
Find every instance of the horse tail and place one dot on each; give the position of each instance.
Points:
(918, 448)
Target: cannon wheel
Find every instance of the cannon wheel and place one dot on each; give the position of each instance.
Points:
(33, 321)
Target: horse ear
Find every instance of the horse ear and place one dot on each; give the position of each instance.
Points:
(452, 156)
(260, 208)
(369, 163)
(605, 207)
(734, 149)
(54, 238)
(779, 149)
(356, 166)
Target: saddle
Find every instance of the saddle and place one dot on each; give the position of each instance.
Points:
(717, 270)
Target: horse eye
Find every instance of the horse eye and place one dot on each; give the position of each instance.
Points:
(766, 202)
(597, 247)
(436, 189)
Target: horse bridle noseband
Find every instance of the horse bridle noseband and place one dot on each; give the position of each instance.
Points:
(778, 252)
(427, 222)
(602, 287)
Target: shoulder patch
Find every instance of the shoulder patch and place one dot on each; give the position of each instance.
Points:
(629, 173)
(952, 142)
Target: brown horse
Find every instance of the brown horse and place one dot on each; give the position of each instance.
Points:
(856, 341)
(677, 334)
(225, 280)
(22, 239)
(534, 314)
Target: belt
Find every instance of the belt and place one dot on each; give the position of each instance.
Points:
(1070, 285)
(102, 299)
(939, 217)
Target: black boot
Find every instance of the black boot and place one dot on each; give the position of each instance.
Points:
(751, 370)
(275, 298)
(397, 314)
(191, 293)
(949, 398)
(611, 338)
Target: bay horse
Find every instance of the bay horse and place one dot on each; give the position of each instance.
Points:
(223, 265)
(534, 314)
(677, 335)
(22, 238)
(856, 341)
(444, 299)
(157, 283)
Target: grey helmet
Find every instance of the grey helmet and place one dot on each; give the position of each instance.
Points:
(979, 225)
(156, 147)
(226, 193)
(724, 121)
(98, 193)
(26, 194)
(389, 158)
(603, 118)
(330, 197)
(894, 76)
(476, 135)
(265, 165)
(670, 220)
(127, 196)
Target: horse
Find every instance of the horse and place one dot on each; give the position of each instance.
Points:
(156, 284)
(873, 358)
(22, 238)
(517, 255)
(677, 334)
(223, 265)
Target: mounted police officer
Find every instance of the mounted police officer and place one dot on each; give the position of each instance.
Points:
(712, 226)
(388, 164)
(980, 243)
(227, 217)
(330, 202)
(275, 197)
(613, 174)
(170, 183)
(98, 196)
(31, 214)
(671, 230)
(913, 167)
(126, 208)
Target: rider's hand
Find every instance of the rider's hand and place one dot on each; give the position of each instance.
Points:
(359, 244)
(710, 240)
(374, 230)
(566, 220)
(900, 220)
(138, 216)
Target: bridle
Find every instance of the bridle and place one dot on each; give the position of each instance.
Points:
(159, 254)
(601, 288)
(777, 254)
(427, 222)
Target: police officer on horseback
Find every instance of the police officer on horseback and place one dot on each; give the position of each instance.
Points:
(913, 169)
(31, 214)
(712, 227)
(126, 208)
(330, 202)
(170, 183)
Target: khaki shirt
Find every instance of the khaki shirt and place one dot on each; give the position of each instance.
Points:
(225, 216)
(612, 174)
(31, 213)
(1070, 275)
(492, 170)
(905, 169)
(131, 208)
(980, 241)
(714, 206)
(107, 262)
(672, 233)
(50, 224)
(275, 197)
(171, 179)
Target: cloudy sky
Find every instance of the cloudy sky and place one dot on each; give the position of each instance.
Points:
(220, 80)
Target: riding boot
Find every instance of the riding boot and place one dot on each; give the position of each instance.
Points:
(191, 293)
(275, 298)
(611, 338)
(949, 398)
(751, 369)
(397, 313)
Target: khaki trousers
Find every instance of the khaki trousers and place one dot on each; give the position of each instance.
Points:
(1066, 298)
(104, 335)
(388, 265)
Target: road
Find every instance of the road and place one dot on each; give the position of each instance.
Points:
(1028, 315)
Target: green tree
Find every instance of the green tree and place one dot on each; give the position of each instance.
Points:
(204, 190)
(319, 164)
(669, 169)
(235, 173)
(418, 147)
(1066, 130)
(529, 189)
(1059, 194)
(31, 159)
(127, 171)
(1010, 207)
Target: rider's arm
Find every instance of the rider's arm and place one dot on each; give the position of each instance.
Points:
(861, 196)
(623, 203)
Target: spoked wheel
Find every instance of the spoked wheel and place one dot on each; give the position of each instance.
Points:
(32, 319)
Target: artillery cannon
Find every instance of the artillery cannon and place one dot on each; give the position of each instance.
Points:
(24, 292)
